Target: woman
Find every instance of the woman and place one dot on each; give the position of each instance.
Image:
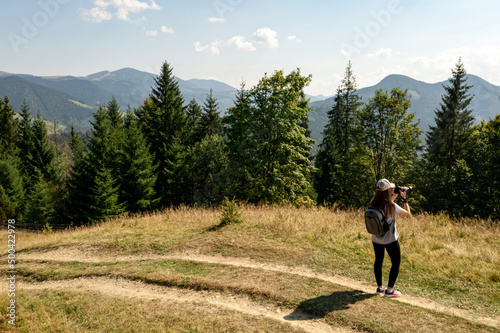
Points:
(384, 198)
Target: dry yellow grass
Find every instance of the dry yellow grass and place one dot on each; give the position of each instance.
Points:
(457, 262)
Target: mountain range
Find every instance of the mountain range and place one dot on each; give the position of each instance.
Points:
(70, 100)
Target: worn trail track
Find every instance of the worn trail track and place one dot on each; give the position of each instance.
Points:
(309, 322)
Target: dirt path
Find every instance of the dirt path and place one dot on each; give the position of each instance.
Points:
(90, 255)
(134, 289)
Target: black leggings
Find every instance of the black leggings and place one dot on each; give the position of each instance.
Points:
(394, 252)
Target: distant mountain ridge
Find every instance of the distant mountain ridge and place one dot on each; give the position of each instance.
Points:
(71, 100)
(426, 98)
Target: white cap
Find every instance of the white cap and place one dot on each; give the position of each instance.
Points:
(384, 185)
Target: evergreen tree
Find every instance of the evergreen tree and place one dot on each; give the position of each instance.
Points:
(105, 198)
(176, 171)
(163, 119)
(337, 159)
(8, 129)
(44, 157)
(12, 192)
(79, 183)
(102, 163)
(236, 132)
(193, 114)
(26, 144)
(7, 207)
(116, 137)
(44, 198)
(114, 113)
(447, 176)
(42, 203)
(210, 122)
(446, 140)
(209, 162)
(137, 170)
(93, 188)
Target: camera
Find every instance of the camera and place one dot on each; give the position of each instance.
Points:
(399, 189)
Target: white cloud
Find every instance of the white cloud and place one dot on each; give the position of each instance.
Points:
(212, 48)
(266, 37)
(152, 33)
(123, 9)
(240, 43)
(166, 30)
(216, 19)
(96, 14)
(384, 53)
(294, 39)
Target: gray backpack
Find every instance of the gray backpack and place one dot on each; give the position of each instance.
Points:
(375, 221)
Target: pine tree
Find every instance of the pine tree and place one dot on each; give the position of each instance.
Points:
(209, 162)
(210, 122)
(336, 159)
(26, 144)
(114, 113)
(193, 114)
(105, 196)
(236, 132)
(44, 157)
(42, 203)
(93, 188)
(44, 198)
(8, 129)
(163, 120)
(102, 164)
(12, 192)
(116, 137)
(79, 186)
(447, 139)
(137, 170)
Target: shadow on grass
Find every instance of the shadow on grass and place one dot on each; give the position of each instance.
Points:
(319, 307)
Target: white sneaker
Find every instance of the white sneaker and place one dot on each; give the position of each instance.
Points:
(393, 293)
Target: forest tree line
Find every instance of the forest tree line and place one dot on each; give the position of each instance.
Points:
(165, 153)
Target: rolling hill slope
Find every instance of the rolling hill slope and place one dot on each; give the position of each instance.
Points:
(71, 100)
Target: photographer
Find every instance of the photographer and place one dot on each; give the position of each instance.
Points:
(384, 198)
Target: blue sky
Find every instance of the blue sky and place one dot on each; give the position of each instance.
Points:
(235, 40)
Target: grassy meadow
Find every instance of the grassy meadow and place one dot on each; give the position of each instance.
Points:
(454, 263)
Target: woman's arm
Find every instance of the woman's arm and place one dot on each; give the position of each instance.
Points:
(406, 211)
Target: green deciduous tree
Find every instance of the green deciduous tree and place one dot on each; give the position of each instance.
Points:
(266, 133)
(389, 134)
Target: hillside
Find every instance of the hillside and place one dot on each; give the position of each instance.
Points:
(71, 100)
(279, 270)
